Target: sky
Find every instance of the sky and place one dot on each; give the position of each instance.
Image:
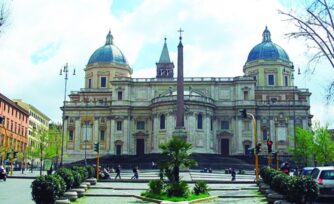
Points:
(41, 36)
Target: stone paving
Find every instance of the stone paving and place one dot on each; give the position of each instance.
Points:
(17, 190)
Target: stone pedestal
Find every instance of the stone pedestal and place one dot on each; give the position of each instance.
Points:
(180, 132)
(80, 191)
(63, 201)
(92, 181)
(83, 186)
(72, 196)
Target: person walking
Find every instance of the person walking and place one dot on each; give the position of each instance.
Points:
(118, 172)
(233, 174)
(135, 173)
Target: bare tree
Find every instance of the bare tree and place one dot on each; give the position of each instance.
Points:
(316, 26)
(4, 13)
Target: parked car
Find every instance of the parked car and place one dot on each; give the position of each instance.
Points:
(324, 176)
(306, 171)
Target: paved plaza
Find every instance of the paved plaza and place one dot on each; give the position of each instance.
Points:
(17, 189)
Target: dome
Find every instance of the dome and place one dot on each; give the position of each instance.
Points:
(267, 50)
(109, 53)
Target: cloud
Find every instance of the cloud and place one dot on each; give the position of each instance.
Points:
(217, 39)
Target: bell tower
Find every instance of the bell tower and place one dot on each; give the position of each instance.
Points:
(165, 68)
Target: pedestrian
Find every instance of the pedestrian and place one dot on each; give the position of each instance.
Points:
(233, 174)
(118, 172)
(135, 173)
(153, 165)
(285, 168)
(22, 167)
(49, 172)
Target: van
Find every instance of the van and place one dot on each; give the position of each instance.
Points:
(324, 176)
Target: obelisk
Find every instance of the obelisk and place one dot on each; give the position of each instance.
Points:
(180, 129)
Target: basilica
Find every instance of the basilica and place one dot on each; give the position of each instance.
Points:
(132, 116)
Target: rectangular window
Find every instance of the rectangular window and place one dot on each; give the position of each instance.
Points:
(211, 124)
(140, 125)
(119, 95)
(225, 125)
(286, 80)
(265, 134)
(119, 125)
(101, 135)
(70, 135)
(271, 80)
(103, 82)
(89, 83)
(245, 95)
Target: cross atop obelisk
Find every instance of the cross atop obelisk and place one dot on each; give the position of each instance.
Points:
(180, 31)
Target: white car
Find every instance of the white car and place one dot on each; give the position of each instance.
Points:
(324, 176)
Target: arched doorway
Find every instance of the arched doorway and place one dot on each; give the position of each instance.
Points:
(223, 139)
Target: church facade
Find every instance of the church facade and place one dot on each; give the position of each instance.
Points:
(132, 116)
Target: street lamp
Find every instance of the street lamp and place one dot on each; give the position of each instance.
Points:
(65, 71)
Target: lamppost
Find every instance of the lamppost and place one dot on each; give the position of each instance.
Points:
(65, 71)
(86, 124)
(294, 108)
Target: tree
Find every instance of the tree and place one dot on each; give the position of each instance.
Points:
(176, 152)
(304, 146)
(3, 13)
(316, 27)
(48, 144)
(323, 145)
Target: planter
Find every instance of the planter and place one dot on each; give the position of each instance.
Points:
(71, 195)
(264, 187)
(63, 201)
(84, 186)
(87, 183)
(272, 197)
(92, 181)
(80, 191)
(282, 202)
(268, 191)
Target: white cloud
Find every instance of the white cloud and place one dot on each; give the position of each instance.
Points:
(217, 39)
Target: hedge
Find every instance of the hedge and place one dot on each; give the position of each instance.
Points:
(297, 189)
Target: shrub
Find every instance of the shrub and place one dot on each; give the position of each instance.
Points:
(45, 189)
(83, 172)
(61, 185)
(67, 175)
(77, 178)
(277, 181)
(156, 186)
(176, 189)
(265, 174)
(272, 175)
(201, 187)
(91, 171)
(302, 189)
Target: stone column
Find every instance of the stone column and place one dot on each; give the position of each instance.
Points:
(112, 137)
(125, 136)
(77, 133)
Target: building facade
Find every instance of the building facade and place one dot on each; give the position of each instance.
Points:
(13, 127)
(132, 116)
(37, 121)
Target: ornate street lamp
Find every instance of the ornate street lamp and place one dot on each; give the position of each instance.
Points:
(65, 71)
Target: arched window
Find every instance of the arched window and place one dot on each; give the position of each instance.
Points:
(162, 122)
(199, 121)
